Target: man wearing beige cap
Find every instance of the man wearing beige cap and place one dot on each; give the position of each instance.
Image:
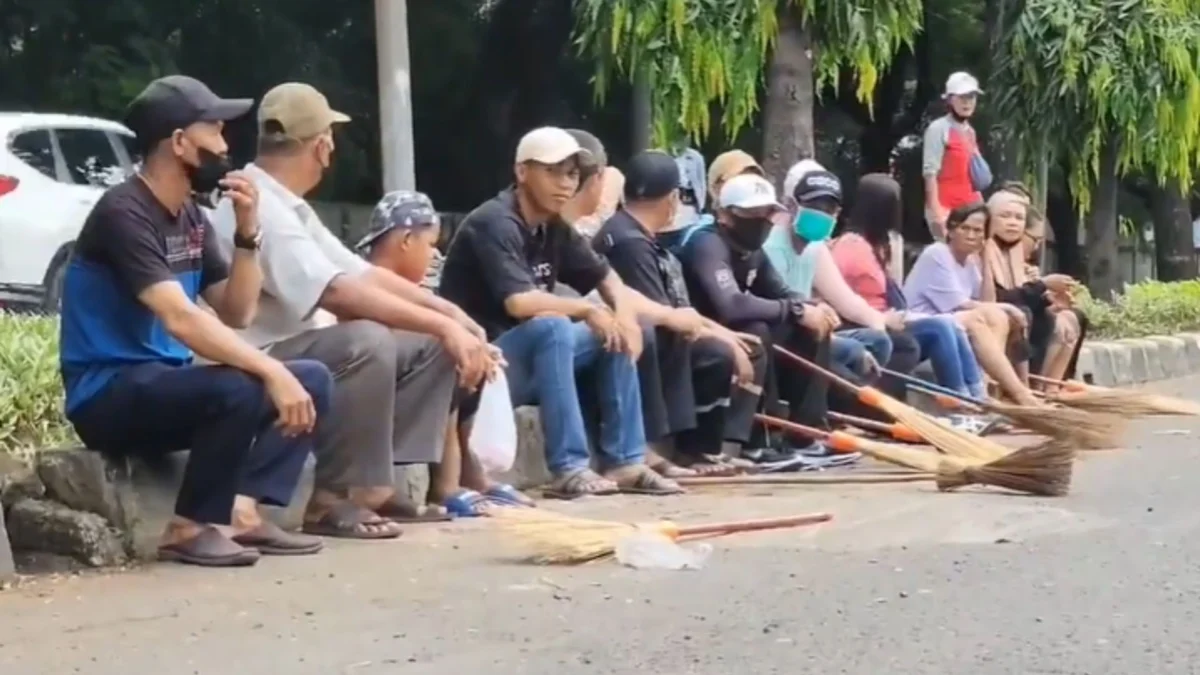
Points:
(502, 267)
(396, 347)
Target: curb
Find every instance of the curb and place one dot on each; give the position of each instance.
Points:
(134, 499)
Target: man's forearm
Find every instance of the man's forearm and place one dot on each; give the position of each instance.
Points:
(623, 300)
(531, 304)
(350, 299)
(655, 313)
(239, 301)
(414, 293)
(208, 337)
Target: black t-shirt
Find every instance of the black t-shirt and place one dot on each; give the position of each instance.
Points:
(641, 262)
(732, 287)
(495, 255)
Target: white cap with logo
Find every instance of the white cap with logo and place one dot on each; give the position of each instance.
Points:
(799, 170)
(962, 84)
(548, 145)
(748, 191)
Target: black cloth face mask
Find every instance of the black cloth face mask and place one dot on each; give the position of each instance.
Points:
(206, 176)
(749, 234)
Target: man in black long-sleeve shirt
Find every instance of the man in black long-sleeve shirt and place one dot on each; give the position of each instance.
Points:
(731, 281)
(689, 361)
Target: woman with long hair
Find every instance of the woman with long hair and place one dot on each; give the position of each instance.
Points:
(863, 252)
(1057, 327)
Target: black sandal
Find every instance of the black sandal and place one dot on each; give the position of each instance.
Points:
(350, 521)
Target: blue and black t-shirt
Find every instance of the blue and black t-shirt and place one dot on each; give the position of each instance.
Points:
(130, 241)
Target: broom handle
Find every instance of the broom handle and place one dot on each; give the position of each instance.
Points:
(931, 388)
(897, 477)
(836, 440)
(873, 425)
(814, 368)
(755, 525)
(1068, 385)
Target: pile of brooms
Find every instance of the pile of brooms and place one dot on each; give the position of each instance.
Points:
(1083, 417)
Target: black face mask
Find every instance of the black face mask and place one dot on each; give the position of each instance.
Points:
(748, 234)
(206, 176)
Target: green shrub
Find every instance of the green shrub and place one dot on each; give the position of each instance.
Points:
(1148, 308)
(31, 395)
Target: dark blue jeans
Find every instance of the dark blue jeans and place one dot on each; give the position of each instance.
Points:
(848, 345)
(949, 351)
(222, 414)
(544, 354)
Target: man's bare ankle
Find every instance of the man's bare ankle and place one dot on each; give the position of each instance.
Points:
(181, 529)
(371, 497)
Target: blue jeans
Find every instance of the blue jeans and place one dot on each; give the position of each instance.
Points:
(945, 344)
(543, 355)
(847, 347)
(222, 414)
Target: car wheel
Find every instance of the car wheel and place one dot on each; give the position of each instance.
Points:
(53, 284)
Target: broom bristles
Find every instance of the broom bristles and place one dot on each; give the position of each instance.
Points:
(1076, 427)
(554, 539)
(1118, 402)
(942, 436)
(1043, 470)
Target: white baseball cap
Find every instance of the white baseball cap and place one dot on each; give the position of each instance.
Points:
(548, 145)
(962, 84)
(799, 170)
(748, 191)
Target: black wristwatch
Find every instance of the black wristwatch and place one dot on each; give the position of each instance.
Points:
(253, 243)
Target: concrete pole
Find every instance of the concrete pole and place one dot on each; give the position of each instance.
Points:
(395, 95)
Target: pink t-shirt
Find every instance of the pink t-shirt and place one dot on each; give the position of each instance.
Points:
(857, 262)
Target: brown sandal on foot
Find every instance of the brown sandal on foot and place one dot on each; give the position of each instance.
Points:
(349, 521)
(580, 483)
(210, 548)
(642, 480)
(270, 539)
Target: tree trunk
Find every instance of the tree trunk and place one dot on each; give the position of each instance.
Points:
(1173, 252)
(788, 114)
(1104, 272)
(1064, 220)
(643, 114)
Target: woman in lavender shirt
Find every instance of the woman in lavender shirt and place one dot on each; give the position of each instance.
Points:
(948, 279)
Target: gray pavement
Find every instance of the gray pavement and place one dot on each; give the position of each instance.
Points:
(905, 580)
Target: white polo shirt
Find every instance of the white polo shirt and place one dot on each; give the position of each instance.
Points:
(299, 259)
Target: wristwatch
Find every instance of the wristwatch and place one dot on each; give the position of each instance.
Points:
(251, 243)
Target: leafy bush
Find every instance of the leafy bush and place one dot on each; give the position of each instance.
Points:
(31, 396)
(1148, 308)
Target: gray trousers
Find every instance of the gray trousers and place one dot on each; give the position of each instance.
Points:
(392, 397)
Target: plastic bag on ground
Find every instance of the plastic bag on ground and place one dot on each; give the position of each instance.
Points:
(493, 437)
(653, 551)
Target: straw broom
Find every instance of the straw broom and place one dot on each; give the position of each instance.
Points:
(896, 431)
(940, 435)
(554, 539)
(1080, 428)
(1116, 401)
(1043, 470)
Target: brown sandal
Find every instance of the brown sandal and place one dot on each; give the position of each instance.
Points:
(642, 480)
(349, 521)
(210, 548)
(270, 539)
(580, 483)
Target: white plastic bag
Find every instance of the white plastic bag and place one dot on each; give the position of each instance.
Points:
(493, 436)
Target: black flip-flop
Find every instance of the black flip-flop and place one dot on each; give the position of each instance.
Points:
(270, 539)
(349, 521)
(210, 548)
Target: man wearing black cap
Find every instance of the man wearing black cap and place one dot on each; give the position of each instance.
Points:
(689, 364)
(130, 325)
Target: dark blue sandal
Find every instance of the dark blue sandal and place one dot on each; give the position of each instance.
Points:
(467, 504)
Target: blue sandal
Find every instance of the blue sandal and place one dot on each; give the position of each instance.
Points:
(467, 504)
(503, 494)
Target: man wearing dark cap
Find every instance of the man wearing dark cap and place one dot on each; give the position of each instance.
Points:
(688, 368)
(394, 351)
(130, 325)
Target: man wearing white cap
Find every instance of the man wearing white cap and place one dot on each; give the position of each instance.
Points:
(731, 281)
(501, 268)
(955, 172)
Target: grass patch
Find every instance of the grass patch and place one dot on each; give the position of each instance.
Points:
(31, 393)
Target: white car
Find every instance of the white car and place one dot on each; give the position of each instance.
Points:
(53, 168)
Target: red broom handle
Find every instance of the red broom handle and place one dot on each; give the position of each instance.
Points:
(755, 525)
(897, 431)
(836, 440)
(868, 395)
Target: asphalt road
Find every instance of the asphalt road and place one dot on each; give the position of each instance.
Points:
(905, 581)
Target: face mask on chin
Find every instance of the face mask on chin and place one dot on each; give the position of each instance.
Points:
(748, 234)
(206, 176)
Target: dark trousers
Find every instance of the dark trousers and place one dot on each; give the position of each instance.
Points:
(806, 394)
(222, 414)
(687, 392)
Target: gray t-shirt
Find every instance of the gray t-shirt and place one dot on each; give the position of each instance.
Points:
(939, 284)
